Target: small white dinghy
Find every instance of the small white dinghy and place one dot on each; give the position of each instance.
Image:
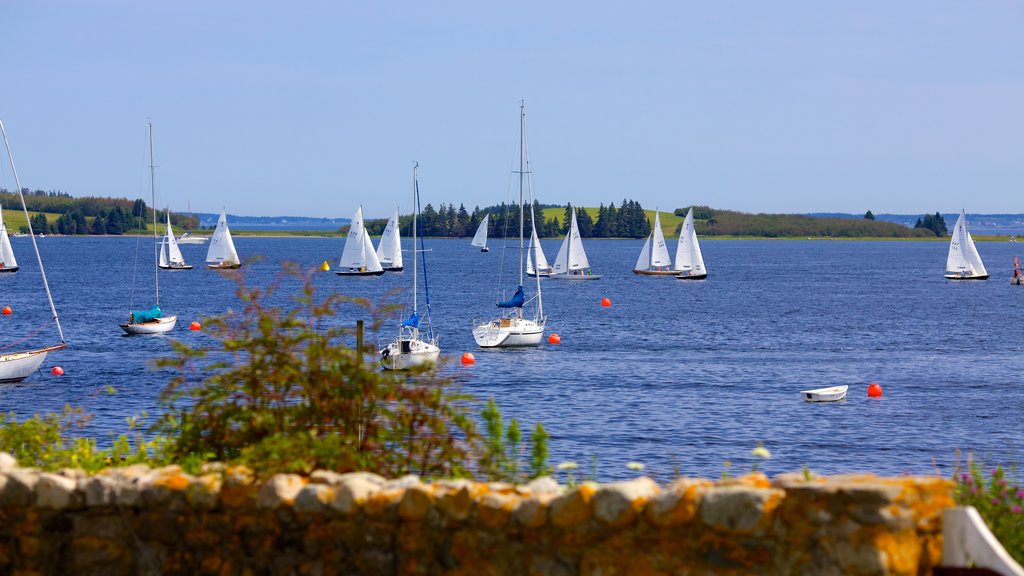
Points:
(832, 394)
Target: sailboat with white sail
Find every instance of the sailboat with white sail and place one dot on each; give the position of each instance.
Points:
(170, 254)
(16, 366)
(513, 328)
(8, 263)
(480, 238)
(536, 254)
(689, 261)
(389, 250)
(571, 261)
(221, 255)
(963, 261)
(654, 259)
(412, 347)
(151, 321)
(359, 258)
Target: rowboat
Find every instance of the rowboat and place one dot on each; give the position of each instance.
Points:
(831, 394)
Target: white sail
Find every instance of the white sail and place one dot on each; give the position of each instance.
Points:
(389, 250)
(659, 251)
(359, 253)
(571, 255)
(6, 252)
(963, 258)
(688, 257)
(222, 248)
(644, 261)
(170, 254)
(536, 254)
(480, 238)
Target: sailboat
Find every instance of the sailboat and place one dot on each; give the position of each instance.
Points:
(16, 366)
(963, 261)
(512, 328)
(689, 261)
(1018, 275)
(151, 321)
(536, 254)
(358, 258)
(389, 251)
(654, 259)
(571, 262)
(7, 260)
(221, 254)
(480, 238)
(170, 254)
(409, 349)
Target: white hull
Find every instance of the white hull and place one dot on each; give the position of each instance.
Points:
(508, 333)
(966, 276)
(404, 354)
(832, 394)
(20, 365)
(158, 326)
(192, 240)
(575, 276)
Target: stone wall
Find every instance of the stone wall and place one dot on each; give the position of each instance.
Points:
(162, 521)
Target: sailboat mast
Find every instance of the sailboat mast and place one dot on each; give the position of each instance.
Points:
(35, 246)
(152, 189)
(415, 208)
(522, 146)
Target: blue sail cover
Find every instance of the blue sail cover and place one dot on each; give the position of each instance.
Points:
(146, 315)
(517, 301)
(413, 320)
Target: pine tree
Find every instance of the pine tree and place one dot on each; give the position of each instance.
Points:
(869, 216)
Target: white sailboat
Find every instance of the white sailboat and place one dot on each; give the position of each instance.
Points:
(170, 254)
(151, 321)
(689, 261)
(410, 348)
(536, 254)
(221, 254)
(16, 366)
(389, 250)
(513, 329)
(480, 238)
(963, 261)
(7, 261)
(359, 258)
(654, 259)
(571, 262)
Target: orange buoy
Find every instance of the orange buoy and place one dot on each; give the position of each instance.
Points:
(195, 326)
(554, 339)
(57, 371)
(874, 390)
(6, 311)
(468, 358)
(606, 302)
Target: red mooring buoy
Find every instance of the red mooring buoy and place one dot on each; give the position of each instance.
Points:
(874, 390)
(57, 371)
(554, 339)
(606, 302)
(6, 311)
(468, 358)
(195, 326)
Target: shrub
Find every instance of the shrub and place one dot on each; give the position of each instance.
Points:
(999, 501)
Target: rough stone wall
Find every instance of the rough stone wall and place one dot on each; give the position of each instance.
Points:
(162, 521)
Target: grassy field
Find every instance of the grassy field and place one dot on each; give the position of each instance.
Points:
(669, 221)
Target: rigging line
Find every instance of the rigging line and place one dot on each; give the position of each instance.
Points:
(423, 250)
(31, 334)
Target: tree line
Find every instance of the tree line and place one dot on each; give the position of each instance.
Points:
(712, 222)
(89, 214)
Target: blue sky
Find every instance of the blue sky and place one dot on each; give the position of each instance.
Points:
(311, 108)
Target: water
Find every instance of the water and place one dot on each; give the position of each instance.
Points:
(676, 375)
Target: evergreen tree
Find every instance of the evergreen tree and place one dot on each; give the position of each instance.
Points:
(567, 219)
(99, 226)
(585, 223)
(869, 216)
(39, 224)
(428, 221)
(462, 220)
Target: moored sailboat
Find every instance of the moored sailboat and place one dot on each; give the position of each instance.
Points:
(8, 263)
(221, 255)
(411, 348)
(170, 254)
(151, 321)
(480, 238)
(689, 260)
(654, 259)
(513, 329)
(536, 254)
(16, 366)
(358, 258)
(571, 262)
(963, 261)
(389, 250)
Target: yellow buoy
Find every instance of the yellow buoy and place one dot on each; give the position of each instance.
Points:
(325, 267)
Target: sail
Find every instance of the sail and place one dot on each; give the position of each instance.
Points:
(688, 256)
(6, 252)
(173, 253)
(571, 255)
(963, 257)
(389, 251)
(222, 248)
(536, 249)
(163, 255)
(372, 263)
(517, 300)
(359, 253)
(480, 238)
(659, 252)
(644, 261)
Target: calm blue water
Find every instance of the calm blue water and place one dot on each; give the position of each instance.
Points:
(674, 374)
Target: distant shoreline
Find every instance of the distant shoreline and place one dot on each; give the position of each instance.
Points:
(318, 234)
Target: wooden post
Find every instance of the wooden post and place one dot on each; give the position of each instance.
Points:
(359, 341)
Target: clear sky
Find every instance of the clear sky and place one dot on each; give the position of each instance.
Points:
(310, 108)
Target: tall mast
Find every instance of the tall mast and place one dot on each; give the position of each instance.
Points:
(522, 146)
(32, 234)
(415, 207)
(152, 189)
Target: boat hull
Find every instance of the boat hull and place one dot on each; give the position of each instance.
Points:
(541, 275)
(9, 269)
(655, 272)
(508, 333)
(485, 249)
(175, 267)
(394, 269)
(1018, 281)
(575, 277)
(691, 276)
(959, 277)
(20, 365)
(831, 394)
(224, 266)
(404, 354)
(158, 326)
(358, 273)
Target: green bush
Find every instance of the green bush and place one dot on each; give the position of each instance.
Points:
(999, 501)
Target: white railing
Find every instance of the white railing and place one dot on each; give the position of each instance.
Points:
(968, 543)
